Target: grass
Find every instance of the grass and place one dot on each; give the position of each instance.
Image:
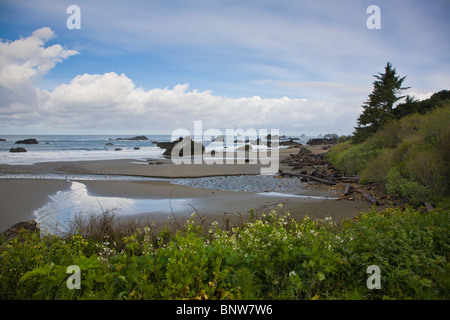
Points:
(271, 256)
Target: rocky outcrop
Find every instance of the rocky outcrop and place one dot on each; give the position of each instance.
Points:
(134, 138)
(317, 141)
(327, 139)
(290, 143)
(27, 141)
(1, 139)
(13, 232)
(15, 150)
(182, 144)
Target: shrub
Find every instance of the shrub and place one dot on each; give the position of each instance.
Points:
(414, 191)
(416, 145)
(271, 257)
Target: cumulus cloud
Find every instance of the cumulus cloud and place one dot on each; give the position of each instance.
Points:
(112, 102)
(22, 63)
(23, 60)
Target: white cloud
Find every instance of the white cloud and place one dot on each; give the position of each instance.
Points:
(23, 60)
(112, 102)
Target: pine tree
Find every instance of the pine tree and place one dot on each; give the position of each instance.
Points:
(378, 109)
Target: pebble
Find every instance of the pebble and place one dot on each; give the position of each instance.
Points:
(245, 183)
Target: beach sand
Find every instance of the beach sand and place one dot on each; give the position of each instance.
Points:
(20, 197)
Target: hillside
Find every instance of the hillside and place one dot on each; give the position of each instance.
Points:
(410, 155)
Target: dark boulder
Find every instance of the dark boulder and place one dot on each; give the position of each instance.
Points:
(28, 226)
(181, 145)
(27, 141)
(1, 139)
(16, 150)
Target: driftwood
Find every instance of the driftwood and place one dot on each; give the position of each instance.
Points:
(343, 197)
(306, 176)
(348, 189)
(368, 197)
(347, 179)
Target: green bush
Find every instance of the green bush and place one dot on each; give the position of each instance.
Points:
(397, 184)
(411, 155)
(270, 257)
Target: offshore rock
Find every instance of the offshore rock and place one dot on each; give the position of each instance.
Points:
(27, 141)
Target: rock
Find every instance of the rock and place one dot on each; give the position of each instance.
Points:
(168, 145)
(117, 149)
(218, 139)
(109, 144)
(269, 137)
(245, 148)
(29, 226)
(27, 141)
(134, 138)
(290, 143)
(318, 141)
(182, 144)
(2, 139)
(136, 148)
(304, 152)
(17, 150)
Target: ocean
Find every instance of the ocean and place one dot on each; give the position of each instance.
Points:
(55, 148)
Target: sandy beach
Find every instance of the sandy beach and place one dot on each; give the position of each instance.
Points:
(21, 198)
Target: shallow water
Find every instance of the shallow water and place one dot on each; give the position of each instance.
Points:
(65, 206)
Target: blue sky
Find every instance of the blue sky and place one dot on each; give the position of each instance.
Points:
(155, 66)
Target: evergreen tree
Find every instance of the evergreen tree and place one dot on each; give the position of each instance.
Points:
(378, 109)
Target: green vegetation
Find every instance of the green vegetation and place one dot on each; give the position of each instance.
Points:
(410, 155)
(269, 257)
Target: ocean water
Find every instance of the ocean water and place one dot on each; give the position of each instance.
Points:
(78, 148)
(55, 148)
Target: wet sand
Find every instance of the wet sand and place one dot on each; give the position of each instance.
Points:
(20, 198)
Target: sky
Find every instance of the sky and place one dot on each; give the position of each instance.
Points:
(151, 67)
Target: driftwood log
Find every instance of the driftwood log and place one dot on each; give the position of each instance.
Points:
(347, 179)
(348, 188)
(306, 176)
(368, 197)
